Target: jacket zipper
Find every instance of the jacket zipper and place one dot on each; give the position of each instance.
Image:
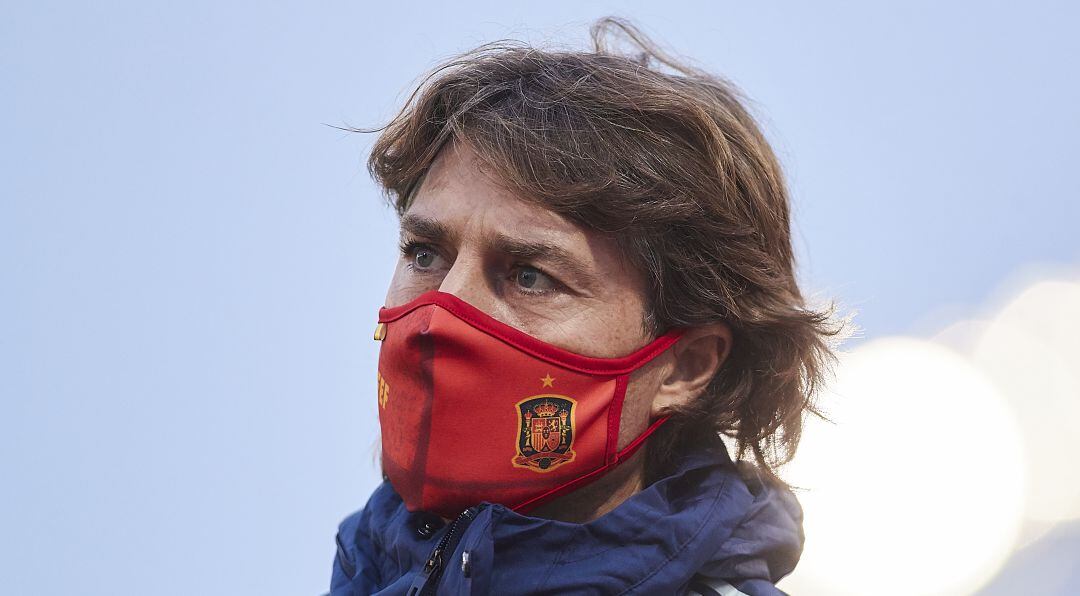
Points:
(435, 565)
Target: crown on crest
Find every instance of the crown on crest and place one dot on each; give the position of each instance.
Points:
(546, 409)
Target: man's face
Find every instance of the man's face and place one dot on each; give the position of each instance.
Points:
(525, 266)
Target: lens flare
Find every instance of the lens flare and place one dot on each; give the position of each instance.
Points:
(920, 478)
(1030, 348)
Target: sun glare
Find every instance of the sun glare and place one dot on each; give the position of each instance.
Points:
(918, 484)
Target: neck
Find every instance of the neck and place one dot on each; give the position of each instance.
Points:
(600, 496)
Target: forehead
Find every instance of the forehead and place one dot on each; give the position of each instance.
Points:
(458, 185)
(465, 199)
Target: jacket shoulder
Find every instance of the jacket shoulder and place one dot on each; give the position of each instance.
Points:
(356, 569)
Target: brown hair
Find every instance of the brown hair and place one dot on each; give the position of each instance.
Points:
(668, 160)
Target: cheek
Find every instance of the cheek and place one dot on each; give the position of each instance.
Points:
(611, 329)
(405, 286)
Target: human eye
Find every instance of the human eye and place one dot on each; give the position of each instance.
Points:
(420, 256)
(532, 280)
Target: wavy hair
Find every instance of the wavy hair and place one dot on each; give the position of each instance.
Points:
(666, 159)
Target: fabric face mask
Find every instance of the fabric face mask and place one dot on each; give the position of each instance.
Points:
(474, 410)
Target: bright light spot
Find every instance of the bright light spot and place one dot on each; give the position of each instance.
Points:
(919, 486)
(1031, 350)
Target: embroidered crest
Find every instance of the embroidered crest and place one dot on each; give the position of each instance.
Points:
(545, 432)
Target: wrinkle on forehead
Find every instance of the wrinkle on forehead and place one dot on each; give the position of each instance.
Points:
(532, 221)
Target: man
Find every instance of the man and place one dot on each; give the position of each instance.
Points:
(596, 283)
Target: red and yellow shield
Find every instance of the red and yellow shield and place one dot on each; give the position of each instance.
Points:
(545, 432)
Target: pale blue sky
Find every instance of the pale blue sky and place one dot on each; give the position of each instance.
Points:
(191, 262)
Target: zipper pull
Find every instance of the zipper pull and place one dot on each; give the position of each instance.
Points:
(420, 585)
(433, 569)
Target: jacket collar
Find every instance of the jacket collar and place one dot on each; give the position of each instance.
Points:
(711, 518)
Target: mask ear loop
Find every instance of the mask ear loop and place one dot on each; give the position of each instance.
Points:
(611, 450)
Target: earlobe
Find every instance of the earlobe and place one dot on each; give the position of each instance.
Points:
(694, 361)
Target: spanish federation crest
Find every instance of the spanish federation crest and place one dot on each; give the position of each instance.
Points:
(545, 432)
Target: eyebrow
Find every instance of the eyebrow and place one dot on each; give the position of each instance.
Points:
(426, 228)
(543, 251)
(561, 259)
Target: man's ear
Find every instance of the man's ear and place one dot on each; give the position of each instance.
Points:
(693, 361)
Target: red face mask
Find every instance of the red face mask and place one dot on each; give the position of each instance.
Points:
(474, 410)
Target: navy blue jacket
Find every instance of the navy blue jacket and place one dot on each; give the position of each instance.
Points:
(713, 527)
